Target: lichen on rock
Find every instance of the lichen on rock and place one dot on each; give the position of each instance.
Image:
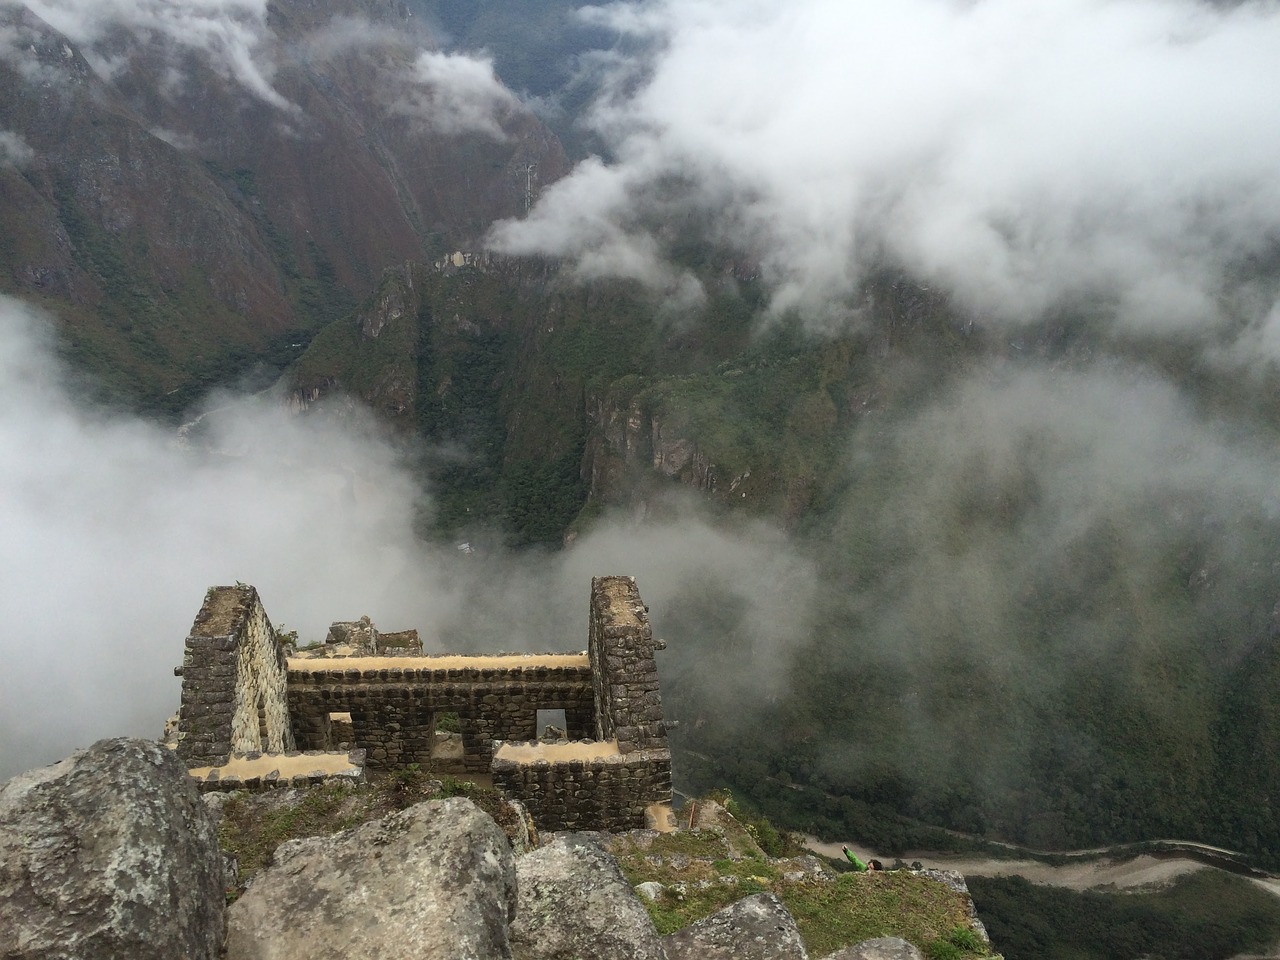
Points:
(107, 854)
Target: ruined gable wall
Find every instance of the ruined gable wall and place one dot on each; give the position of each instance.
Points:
(621, 647)
(608, 784)
(261, 716)
(232, 666)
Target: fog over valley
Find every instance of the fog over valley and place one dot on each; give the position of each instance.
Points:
(113, 531)
(919, 359)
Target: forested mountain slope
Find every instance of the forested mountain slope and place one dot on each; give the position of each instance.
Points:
(1011, 625)
(186, 208)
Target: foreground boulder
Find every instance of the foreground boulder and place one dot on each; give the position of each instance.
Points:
(433, 882)
(109, 854)
(575, 903)
(882, 948)
(755, 928)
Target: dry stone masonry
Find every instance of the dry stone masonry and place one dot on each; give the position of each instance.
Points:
(257, 713)
(233, 681)
(628, 703)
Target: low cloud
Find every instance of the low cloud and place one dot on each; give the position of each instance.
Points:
(457, 93)
(346, 36)
(112, 532)
(232, 34)
(453, 93)
(1036, 527)
(14, 150)
(113, 529)
(1021, 157)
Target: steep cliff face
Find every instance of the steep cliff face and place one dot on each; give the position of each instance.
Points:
(132, 240)
(556, 395)
(755, 439)
(181, 216)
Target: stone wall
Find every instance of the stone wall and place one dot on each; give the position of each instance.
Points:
(628, 702)
(233, 681)
(393, 702)
(260, 720)
(292, 768)
(240, 696)
(609, 791)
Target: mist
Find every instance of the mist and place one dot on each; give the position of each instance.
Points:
(1019, 157)
(454, 93)
(1037, 527)
(113, 530)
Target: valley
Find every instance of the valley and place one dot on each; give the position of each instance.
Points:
(933, 404)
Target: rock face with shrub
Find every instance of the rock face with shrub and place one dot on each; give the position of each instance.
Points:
(433, 882)
(108, 854)
(112, 854)
(755, 928)
(575, 902)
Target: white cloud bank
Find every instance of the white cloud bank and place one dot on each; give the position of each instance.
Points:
(231, 33)
(14, 149)
(110, 532)
(457, 93)
(1019, 154)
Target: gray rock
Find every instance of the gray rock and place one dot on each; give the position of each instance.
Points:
(109, 853)
(575, 903)
(650, 890)
(882, 948)
(755, 928)
(433, 882)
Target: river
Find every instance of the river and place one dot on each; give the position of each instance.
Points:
(1087, 870)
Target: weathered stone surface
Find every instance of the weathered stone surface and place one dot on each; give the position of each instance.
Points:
(755, 928)
(575, 903)
(882, 948)
(109, 853)
(434, 882)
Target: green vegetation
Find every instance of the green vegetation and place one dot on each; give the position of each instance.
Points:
(254, 825)
(703, 871)
(251, 830)
(1207, 915)
(157, 342)
(896, 903)
(981, 669)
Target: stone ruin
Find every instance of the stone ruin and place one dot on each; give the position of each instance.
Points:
(256, 713)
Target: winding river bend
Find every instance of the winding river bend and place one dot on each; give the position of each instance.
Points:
(1119, 867)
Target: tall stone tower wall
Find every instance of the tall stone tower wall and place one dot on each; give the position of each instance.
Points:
(234, 697)
(621, 648)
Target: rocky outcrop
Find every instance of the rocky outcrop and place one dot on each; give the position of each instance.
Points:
(882, 948)
(575, 902)
(109, 853)
(629, 441)
(955, 881)
(754, 928)
(434, 882)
